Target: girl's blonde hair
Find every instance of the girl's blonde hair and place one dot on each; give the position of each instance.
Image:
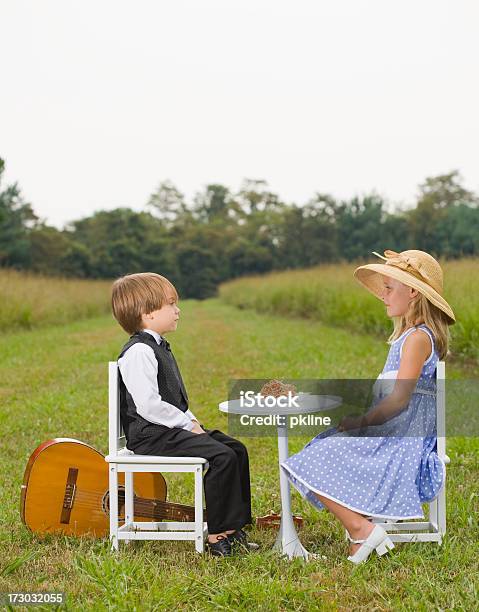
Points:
(421, 309)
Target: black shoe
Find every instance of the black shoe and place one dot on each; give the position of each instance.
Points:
(240, 539)
(221, 548)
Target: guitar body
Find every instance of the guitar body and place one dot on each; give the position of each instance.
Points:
(65, 490)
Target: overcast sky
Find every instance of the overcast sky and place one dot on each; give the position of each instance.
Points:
(103, 99)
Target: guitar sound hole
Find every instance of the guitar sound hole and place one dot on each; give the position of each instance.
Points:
(105, 502)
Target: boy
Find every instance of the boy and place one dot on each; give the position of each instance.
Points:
(154, 407)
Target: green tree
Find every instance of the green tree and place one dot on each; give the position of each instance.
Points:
(158, 255)
(77, 262)
(246, 257)
(198, 277)
(437, 195)
(320, 230)
(395, 233)
(254, 196)
(168, 203)
(215, 204)
(16, 221)
(458, 235)
(116, 240)
(48, 247)
(359, 225)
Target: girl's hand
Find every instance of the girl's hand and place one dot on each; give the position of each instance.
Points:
(348, 423)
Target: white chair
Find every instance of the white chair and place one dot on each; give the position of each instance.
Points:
(434, 529)
(120, 459)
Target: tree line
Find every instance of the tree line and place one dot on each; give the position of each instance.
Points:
(223, 234)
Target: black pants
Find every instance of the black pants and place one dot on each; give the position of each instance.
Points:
(226, 482)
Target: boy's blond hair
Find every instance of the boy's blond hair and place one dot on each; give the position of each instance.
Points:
(134, 295)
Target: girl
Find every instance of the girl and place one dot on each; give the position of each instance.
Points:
(389, 472)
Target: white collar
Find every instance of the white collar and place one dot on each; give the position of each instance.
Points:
(155, 335)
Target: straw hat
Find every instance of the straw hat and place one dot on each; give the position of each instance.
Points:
(415, 269)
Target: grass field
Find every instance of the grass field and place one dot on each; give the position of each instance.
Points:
(54, 383)
(330, 294)
(30, 301)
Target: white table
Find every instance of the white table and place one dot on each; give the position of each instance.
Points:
(287, 541)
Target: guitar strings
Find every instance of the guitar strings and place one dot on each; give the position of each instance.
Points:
(150, 508)
(141, 510)
(140, 501)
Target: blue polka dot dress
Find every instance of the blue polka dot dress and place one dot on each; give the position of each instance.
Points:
(387, 475)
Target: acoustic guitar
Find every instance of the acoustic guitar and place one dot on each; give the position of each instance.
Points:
(65, 490)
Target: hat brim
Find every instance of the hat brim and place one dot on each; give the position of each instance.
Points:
(372, 276)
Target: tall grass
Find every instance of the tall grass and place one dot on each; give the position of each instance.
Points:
(330, 294)
(28, 301)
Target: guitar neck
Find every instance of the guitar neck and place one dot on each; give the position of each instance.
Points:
(159, 510)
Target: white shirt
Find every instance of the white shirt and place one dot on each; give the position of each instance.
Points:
(139, 371)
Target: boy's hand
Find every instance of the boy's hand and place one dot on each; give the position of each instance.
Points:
(197, 428)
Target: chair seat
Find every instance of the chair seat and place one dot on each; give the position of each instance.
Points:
(151, 459)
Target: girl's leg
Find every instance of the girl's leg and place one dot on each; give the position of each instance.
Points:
(356, 524)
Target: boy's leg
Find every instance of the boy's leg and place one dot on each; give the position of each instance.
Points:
(243, 463)
(222, 482)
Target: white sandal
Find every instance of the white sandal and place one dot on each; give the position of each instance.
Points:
(377, 540)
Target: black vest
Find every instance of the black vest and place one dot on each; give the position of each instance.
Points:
(170, 384)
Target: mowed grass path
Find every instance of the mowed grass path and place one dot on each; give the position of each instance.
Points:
(53, 383)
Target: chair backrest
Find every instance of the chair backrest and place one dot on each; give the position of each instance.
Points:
(116, 435)
(441, 408)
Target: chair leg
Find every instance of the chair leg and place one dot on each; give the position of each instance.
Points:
(199, 533)
(433, 514)
(441, 512)
(113, 478)
(129, 510)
